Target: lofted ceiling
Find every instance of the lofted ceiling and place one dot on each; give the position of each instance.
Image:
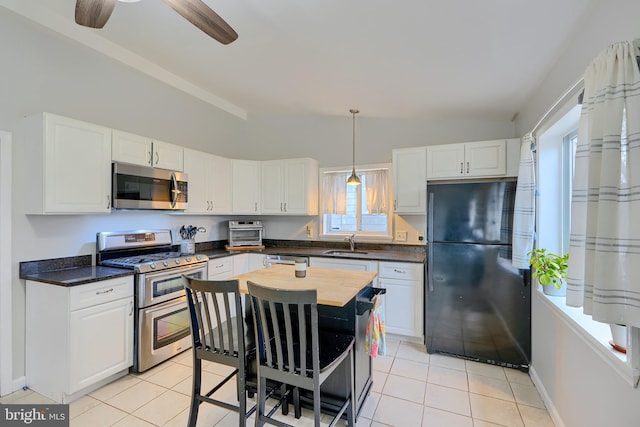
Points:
(447, 59)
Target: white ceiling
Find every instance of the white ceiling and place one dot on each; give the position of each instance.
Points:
(397, 59)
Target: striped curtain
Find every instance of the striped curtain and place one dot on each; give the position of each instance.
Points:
(604, 253)
(524, 211)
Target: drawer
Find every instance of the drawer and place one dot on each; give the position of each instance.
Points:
(400, 270)
(220, 268)
(83, 296)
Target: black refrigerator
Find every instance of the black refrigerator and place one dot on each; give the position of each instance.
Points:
(477, 305)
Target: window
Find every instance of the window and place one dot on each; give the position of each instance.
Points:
(364, 210)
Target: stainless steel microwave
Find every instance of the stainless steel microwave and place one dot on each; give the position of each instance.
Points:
(141, 187)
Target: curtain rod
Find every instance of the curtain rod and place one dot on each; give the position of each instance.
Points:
(560, 100)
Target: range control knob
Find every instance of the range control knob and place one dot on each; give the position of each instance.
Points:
(188, 259)
(165, 263)
(153, 265)
(198, 257)
(177, 260)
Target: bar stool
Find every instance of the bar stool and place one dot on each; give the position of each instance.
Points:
(217, 331)
(289, 351)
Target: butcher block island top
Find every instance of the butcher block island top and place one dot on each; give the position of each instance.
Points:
(334, 287)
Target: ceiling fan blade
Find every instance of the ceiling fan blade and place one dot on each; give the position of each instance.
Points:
(201, 15)
(94, 13)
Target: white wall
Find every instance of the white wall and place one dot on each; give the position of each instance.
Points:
(329, 139)
(582, 389)
(44, 71)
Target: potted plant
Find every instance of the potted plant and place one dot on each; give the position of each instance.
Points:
(550, 269)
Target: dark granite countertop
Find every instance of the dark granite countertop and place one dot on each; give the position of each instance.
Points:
(69, 271)
(366, 252)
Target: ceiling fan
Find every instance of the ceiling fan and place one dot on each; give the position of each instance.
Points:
(95, 13)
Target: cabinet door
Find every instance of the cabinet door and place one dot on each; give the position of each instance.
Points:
(403, 307)
(486, 158)
(168, 156)
(197, 167)
(272, 185)
(410, 180)
(77, 163)
(301, 187)
(219, 182)
(130, 148)
(246, 185)
(100, 342)
(445, 161)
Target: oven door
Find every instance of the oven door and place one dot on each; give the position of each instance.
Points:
(245, 236)
(154, 288)
(164, 331)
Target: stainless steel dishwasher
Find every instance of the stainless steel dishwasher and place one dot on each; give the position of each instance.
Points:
(284, 259)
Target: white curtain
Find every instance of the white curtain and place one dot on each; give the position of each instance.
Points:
(604, 255)
(334, 190)
(524, 214)
(377, 190)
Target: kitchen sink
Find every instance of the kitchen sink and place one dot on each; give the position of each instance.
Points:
(343, 252)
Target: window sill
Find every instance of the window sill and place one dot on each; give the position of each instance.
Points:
(595, 334)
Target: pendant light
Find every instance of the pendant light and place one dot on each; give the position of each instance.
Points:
(353, 179)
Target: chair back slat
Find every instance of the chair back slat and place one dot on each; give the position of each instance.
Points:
(211, 304)
(283, 317)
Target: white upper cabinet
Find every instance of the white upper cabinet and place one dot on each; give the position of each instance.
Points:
(469, 159)
(289, 187)
(209, 183)
(245, 198)
(143, 151)
(64, 165)
(409, 180)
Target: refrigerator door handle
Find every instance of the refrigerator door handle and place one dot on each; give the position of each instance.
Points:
(430, 242)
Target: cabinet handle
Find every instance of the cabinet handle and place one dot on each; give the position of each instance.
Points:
(108, 202)
(280, 206)
(255, 206)
(395, 204)
(104, 292)
(467, 167)
(157, 158)
(461, 168)
(150, 158)
(131, 309)
(219, 265)
(285, 206)
(399, 271)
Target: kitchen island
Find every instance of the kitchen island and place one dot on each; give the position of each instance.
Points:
(344, 305)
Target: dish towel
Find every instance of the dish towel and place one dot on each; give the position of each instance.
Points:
(524, 214)
(375, 343)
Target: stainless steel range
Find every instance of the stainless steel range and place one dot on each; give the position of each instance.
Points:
(162, 325)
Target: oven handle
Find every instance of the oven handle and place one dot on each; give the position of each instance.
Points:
(167, 306)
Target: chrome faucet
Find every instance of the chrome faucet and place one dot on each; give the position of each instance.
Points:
(352, 242)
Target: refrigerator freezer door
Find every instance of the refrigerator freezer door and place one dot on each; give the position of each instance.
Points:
(478, 304)
(473, 212)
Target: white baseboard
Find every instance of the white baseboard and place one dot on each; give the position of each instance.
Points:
(553, 412)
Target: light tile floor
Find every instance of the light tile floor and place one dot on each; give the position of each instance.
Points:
(410, 388)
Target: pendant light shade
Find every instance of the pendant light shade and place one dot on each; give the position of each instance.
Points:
(353, 179)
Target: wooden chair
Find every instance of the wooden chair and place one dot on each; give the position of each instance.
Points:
(290, 351)
(217, 331)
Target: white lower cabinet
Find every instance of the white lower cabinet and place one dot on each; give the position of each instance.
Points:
(404, 300)
(220, 268)
(78, 338)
